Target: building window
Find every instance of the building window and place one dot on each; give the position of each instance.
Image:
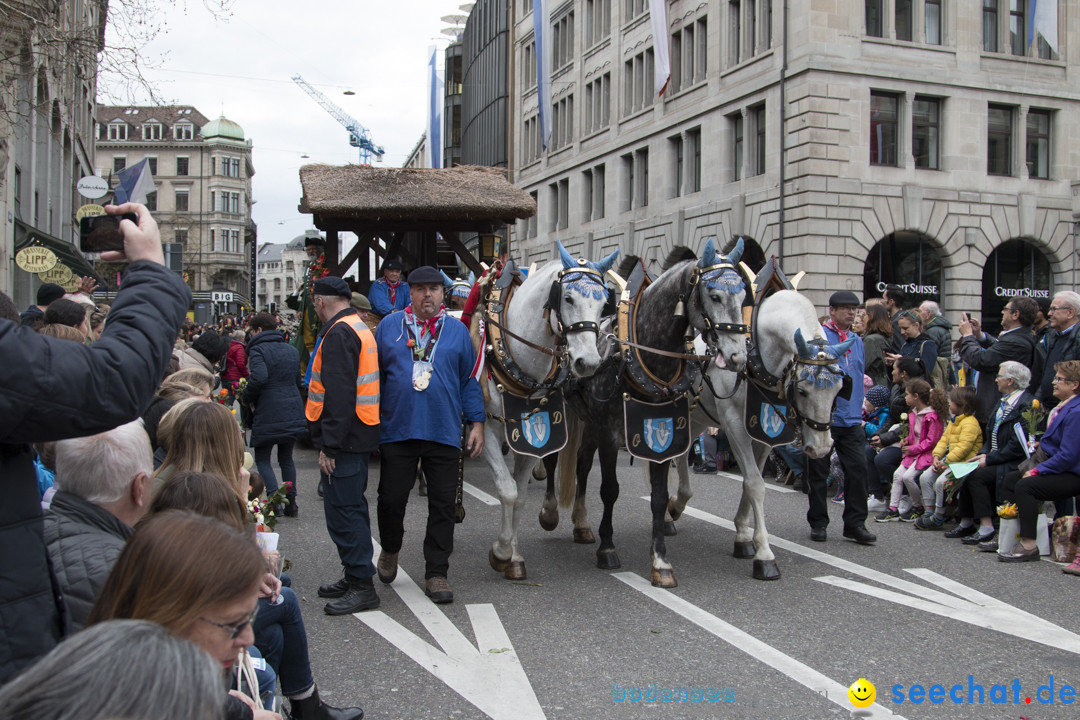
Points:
(597, 21)
(234, 203)
(638, 82)
(562, 41)
(289, 267)
(734, 31)
(1017, 34)
(737, 133)
(18, 192)
(118, 164)
(925, 131)
(1038, 144)
(180, 236)
(213, 242)
(677, 161)
(528, 65)
(151, 200)
(902, 13)
(532, 229)
(152, 164)
(586, 195)
(118, 131)
(234, 165)
(181, 166)
(564, 203)
(152, 131)
(999, 140)
(759, 140)
(530, 139)
(990, 25)
(689, 53)
(635, 8)
(181, 201)
(932, 21)
(277, 282)
(183, 131)
(693, 155)
(599, 191)
(641, 177)
(562, 125)
(751, 27)
(884, 112)
(875, 27)
(288, 284)
(597, 104)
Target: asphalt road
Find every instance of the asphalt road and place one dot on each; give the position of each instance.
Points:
(586, 644)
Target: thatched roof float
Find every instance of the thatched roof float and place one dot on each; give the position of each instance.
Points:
(461, 198)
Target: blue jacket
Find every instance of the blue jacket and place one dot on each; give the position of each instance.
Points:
(379, 297)
(848, 413)
(273, 389)
(435, 413)
(875, 422)
(1061, 443)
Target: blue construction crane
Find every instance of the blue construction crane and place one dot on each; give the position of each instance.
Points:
(358, 134)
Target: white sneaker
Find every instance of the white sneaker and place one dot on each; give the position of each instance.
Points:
(905, 504)
(874, 505)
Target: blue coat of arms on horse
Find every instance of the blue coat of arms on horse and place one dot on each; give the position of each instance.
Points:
(535, 426)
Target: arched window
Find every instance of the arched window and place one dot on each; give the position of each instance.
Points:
(908, 259)
(1016, 268)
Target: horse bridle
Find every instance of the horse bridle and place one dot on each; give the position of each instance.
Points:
(554, 301)
(822, 359)
(713, 329)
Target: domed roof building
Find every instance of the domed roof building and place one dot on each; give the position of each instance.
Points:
(223, 127)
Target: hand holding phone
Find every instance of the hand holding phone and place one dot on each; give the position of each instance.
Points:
(142, 241)
(101, 233)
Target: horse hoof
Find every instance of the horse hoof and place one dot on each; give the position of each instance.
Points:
(607, 559)
(672, 510)
(548, 524)
(744, 550)
(670, 529)
(664, 578)
(766, 570)
(584, 536)
(497, 563)
(515, 570)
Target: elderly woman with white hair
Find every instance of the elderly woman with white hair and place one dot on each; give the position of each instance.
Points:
(1001, 453)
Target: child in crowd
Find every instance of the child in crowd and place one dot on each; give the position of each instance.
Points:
(926, 424)
(960, 442)
(876, 410)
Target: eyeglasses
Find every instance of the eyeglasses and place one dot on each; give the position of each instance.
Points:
(1059, 379)
(1055, 308)
(234, 630)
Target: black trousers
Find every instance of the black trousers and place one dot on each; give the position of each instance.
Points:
(850, 444)
(977, 495)
(1029, 493)
(396, 477)
(880, 467)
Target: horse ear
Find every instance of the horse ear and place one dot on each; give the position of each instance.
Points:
(708, 254)
(843, 347)
(800, 344)
(472, 278)
(604, 265)
(568, 260)
(736, 254)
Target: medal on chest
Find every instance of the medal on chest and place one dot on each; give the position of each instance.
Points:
(421, 375)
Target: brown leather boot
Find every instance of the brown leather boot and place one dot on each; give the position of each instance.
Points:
(387, 566)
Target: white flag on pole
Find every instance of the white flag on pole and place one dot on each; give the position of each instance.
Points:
(1044, 21)
(435, 109)
(661, 54)
(542, 38)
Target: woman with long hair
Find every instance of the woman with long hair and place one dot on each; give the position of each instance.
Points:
(877, 340)
(203, 437)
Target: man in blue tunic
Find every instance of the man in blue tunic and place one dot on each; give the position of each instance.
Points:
(425, 367)
(389, 293)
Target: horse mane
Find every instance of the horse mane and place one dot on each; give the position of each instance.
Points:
(676, 255)
(627, 265)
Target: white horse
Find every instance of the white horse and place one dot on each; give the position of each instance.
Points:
(811, 379)
(574, 295)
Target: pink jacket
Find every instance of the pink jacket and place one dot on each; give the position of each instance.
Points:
(929, 428)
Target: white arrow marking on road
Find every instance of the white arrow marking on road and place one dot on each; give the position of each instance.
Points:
(964, 604)
(489, 675)
(797, 671)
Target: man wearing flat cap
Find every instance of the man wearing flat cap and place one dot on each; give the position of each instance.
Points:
(301, 300)
(848, 436)
(426, 364)
(343, 409)
(389, 293)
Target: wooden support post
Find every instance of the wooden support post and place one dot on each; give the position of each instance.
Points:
(463, 253)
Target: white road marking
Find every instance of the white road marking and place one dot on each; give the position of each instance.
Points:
(964, 603)
(768, 485)
(480, 494)
(488, 675)
(760, 651)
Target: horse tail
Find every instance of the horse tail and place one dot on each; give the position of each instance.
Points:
(568, 460)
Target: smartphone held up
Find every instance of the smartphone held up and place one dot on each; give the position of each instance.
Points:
(101, 233)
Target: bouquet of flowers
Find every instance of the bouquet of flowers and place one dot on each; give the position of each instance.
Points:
(903, 428)
(263, 512)
(1033, 419)
(1008, 510)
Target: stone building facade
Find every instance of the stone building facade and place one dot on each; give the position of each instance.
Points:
(281, 268)
(864, 141)
(202, 173)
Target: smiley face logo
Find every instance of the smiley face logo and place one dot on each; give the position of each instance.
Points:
(862, 693)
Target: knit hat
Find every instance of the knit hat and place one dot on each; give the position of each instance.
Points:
(878, 396)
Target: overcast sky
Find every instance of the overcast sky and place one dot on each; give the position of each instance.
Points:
(242, 68)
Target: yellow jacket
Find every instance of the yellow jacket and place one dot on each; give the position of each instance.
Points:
(962, 439)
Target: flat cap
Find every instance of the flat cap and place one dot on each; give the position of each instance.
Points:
(843, 297)
(360, 302)
(331, 285)
(426, 275)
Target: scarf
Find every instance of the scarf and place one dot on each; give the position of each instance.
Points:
(428, 331)
(393, 290)
(842, 334)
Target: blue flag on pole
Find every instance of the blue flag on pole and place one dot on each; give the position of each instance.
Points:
(1044, 21)
(135, 183)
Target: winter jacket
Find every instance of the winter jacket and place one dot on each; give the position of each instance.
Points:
(961, 440)
(1009, 451)
(379, 297)
(273, 390)
(923, 349)
(53, 389)
(1061, 443)
(986, 356)
(875, 344)
(84, 541)
(877, 421)
(924, 431)
(192, 358)
(939, 329)
(897, 407)
(236, 362)
(848, 413)
(1050, 350)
